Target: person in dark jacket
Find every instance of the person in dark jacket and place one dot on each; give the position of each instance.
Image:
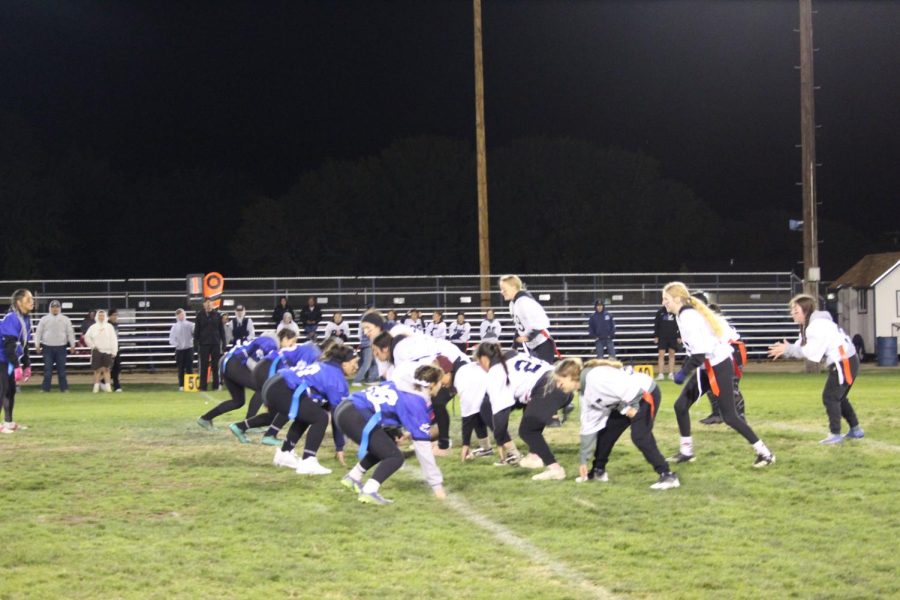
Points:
(667, 339)
(602, 327)
(113, 317)
(279, 311)
(209, 335)
(310, 316)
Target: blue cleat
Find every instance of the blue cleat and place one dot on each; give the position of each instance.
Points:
(834, 438)
(240, 435)
(855, 433)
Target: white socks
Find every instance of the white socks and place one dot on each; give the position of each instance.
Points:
(760, 448)
(686, 446)
(357, 472)
(371, 487)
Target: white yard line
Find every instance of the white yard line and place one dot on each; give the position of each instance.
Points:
(823, 431)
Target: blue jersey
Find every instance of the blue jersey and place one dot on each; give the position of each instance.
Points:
(302, 355)
(15, 326)
(397, 407)
(256, 349)
(325, 381)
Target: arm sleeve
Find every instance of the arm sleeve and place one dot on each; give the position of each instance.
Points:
(430, 470)
(794, 350)
(9, 349)
(70, 333)
(588, 443)
(172, 341)
(39, 333)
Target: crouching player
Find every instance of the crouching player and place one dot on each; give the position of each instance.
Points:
(612, 400)
(363, 418)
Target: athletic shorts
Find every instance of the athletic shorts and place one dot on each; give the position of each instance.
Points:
(668, 344)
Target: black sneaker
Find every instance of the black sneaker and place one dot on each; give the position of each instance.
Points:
(666, 481)
(683, 458)
(478, 452)
(713, 419)
(763, 460)
(555, 422)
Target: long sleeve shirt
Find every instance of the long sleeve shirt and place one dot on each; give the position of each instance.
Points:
(54, 330)
(181, 336)
(530, 319)
(824, 339)
(102, 336)
(490, 330)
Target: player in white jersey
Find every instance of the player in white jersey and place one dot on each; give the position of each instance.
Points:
(459, 331)
(821, 338)
(470, 383)
(531, 322)
(612, 400)
(710, 354)
(521, 379)
(436, 327)
(490, 328)
(414, 321)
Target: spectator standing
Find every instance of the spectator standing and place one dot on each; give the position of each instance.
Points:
(84, 326)
(368, 369)
(101, 338)
(181, 337)
(242, 326)
(209, 334)
(116, 369)
(337, 327)
(229, 332)
(53, 339)
(280, 309)
(490, 328)
(310, 317)
(667, 339)
(602, 327)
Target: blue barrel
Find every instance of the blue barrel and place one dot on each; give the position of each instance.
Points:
(886, 351)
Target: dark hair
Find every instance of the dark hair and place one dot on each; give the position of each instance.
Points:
(16, 296)
(383, 340)
(429, 373)
(286, 334)
(494, 353)
(338, 353)
(327, 345)
(112, 311)
(808, 305)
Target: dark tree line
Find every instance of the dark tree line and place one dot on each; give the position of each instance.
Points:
(556, 205)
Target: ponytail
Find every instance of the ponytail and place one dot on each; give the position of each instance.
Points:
(493, 352)
(676, 289)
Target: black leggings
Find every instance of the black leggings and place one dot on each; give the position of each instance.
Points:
(311, 418)
(538, 413)
(382, 449)
(835, 397)
(641, 434)
(260, 375)
(7, 394)
(478, 422)
(545, 351)
(237, 378)
(724, 373)
(442, 416)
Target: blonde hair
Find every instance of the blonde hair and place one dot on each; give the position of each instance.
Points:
(676, 289)
(602, 362)
(512, 280)
(569, 368)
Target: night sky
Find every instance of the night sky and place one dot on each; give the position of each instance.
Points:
(269, 90)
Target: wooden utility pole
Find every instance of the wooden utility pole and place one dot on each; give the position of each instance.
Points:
(811, 274)
(484, 249)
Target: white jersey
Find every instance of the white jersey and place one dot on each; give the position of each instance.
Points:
(529, 319)
(459, 333)
(698, 337)
(341, 330)
(420, 349)
(414, 324)
(824, 339)
(436, 330)
(515, 383)
(606, 389)
(471, 385)
(490, 330)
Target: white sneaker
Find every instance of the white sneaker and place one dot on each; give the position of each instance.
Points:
(311, 466)
(96, 387)
(105, 387)
(286, 459)
(532, 461)
(556, 473)
(672, 376)
(660, 377)
(7, 428)
(119, 390)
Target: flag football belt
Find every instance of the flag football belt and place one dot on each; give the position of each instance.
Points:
(274, 366)
(648, 398)
(366, 432)
(845, 365)
(711, 376)
(741, 347)
(546, 334)
(295, 401)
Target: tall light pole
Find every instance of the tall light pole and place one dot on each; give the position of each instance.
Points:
(811, 274)
(484, 250)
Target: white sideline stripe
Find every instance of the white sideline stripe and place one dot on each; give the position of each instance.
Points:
(208, 397)
(586, 504)
(818, 430)
(526, 548)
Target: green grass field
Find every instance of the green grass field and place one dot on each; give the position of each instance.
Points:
(123, 496)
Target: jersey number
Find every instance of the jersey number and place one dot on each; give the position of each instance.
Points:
(527, 366)
(381, 395)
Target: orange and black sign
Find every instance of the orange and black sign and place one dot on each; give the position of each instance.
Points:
(213, 284)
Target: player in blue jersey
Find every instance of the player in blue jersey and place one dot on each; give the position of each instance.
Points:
(363, 418)
(306, 395)
(15, 366)
(236, 368)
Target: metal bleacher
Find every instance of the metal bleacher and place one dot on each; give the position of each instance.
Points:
(755, 304)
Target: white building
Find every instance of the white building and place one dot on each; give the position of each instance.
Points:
(868, 298)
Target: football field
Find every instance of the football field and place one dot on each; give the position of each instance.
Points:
(124, 496)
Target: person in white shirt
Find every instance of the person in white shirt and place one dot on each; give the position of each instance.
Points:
(710, 355)
(530, 320)
(821, 338)
(490, 328)
(337, 327)
(459, 331)
(104, 344)
(287, 321)
(242, 326)
(436, 327)
(181, 337)
(414, 321)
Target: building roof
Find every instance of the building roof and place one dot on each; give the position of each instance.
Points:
(868, 270)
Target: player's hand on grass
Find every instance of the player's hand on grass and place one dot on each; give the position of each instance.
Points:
(340, 457)
(439, 493)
